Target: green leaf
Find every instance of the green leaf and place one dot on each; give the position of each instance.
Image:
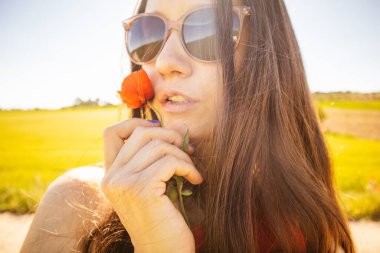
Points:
(186, 192)
(171, 191)
(173, 195)
(185, 145)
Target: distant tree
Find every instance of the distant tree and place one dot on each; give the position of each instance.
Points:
(80, 102)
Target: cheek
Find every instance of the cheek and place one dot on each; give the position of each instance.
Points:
(213, 89)
(213, 96)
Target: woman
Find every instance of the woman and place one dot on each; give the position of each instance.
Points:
(261, 168)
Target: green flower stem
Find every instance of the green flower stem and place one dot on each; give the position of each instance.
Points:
(179, 181)
(171, 192)
(157, 113)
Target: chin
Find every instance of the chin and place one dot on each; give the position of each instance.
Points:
(197, 130)
(178, 125)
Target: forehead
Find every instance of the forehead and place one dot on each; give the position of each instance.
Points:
(174, 9)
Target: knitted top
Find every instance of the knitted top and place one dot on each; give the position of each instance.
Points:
(267, 242)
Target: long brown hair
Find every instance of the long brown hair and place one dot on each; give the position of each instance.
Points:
(269, 158)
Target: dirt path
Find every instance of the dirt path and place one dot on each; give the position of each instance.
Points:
(360, 123)
(366, 236)
(13, 229)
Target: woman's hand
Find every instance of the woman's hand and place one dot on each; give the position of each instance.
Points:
(140, 157)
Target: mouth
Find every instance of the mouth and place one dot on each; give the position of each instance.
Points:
(174, 101)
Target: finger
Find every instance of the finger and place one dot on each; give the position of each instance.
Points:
(168, 166)
(142, 136)
(114, 136)
(153, 151)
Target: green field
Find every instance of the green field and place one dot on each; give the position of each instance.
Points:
(38, 146)
(353, 105)
(357, 170)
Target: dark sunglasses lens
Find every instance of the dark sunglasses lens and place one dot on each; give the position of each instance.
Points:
(199, 33)
(145, 37)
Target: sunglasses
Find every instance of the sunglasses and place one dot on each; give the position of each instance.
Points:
(146, 33)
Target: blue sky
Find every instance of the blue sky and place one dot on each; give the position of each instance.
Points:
(52, 52)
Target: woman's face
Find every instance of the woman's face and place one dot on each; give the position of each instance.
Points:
(175, 72)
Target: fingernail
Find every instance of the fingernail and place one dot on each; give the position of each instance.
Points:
(153, 120)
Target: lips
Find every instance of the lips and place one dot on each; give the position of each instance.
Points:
(176, 107)
(164, 95)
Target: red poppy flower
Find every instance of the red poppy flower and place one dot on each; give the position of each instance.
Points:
(136, 89)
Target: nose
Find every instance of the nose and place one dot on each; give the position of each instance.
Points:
(173, 60)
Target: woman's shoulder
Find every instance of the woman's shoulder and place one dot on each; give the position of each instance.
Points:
(72, 205)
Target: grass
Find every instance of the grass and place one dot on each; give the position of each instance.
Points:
(357, 172)
(38, 146)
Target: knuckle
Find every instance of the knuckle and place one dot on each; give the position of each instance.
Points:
(157, 143)
(179, 138)
(139, 131)
(176, 152)
(168, 158)
(166, 149)
(108, 131)
(175, 138)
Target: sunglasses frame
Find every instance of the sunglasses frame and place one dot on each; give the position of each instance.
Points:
(240, 10)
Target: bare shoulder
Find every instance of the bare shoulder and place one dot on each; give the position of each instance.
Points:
(72, 206)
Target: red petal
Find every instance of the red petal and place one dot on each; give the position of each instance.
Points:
(136, 89)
